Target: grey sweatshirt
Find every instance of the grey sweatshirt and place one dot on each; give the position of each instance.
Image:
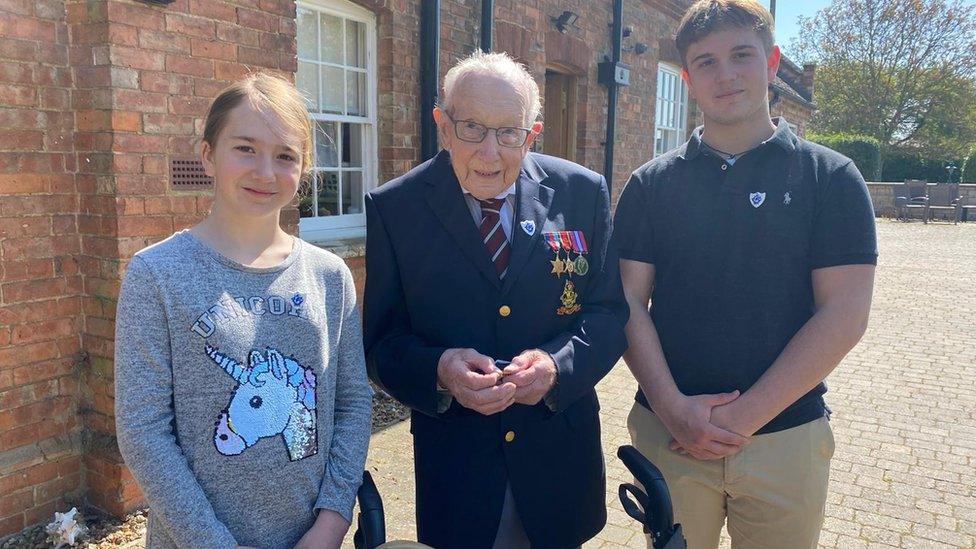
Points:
(241, 400)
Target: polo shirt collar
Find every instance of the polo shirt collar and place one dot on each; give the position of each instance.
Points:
(782, 137)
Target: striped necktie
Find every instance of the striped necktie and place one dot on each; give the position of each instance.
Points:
(493, 235)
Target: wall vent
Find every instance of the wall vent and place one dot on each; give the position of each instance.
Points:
(186, 174)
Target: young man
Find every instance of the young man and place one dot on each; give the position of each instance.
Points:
(757, 251)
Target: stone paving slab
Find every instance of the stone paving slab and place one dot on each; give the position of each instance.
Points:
(904, 471)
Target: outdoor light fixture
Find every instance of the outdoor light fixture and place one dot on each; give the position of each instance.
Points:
(565, 19)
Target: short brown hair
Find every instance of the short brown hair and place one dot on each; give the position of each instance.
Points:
(266, 93)
(707, 16)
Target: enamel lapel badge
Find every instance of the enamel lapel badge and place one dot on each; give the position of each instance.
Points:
(528, 226)
(757, 199)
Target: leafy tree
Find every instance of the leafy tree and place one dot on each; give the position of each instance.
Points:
(901, 71)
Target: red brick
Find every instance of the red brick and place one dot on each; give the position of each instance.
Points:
(163, 41)
(20, 396)
(136, 58)
(18, 49)
(189, 25)
(139, 101)
(28, 28)
(145, 226)
(192, 106)
(16, 73)
(53, 99)
(284, 9)
(43, 331)
(257, 19)
(257, 56)
(87, 120)
(25, 183)
(32, 290)
(17, 96)
(20, 227)
(230, 72)
(11, 525)
(26, 270)
(164, 82)
(38, 247)
(22, 140)
(231, 32)
(21, 119)
(17, 502)
(145, 17)
(167, 124)
(213, 9)
(13, 482)
(56, 488)
(126, 142)
(213, 50)
(44, 512)
(19, 7)
(189, 65)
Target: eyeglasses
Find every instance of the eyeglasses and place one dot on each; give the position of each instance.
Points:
(473, 132)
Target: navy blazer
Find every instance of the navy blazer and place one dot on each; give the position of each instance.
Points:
(431, 286)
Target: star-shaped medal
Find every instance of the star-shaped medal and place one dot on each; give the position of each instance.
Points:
(558, 266)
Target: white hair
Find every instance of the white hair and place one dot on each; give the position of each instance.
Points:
(498, 64)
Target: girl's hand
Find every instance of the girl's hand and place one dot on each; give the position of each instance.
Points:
(326, 533)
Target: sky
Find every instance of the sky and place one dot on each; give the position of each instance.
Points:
(788, 10)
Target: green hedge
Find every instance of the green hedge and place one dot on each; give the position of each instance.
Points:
(969, 166)
(864, 150)
(907, 164)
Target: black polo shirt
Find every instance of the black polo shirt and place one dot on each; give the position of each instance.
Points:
(733, 248)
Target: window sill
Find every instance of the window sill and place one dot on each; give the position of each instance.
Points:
(343, 247)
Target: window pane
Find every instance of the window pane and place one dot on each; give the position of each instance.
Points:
(356, 93)
(332, 85)
(326, 144)
(331, 38)
(307, 39)
(328, 193)
(307, 81)
(352, 192)
(306, 199)
(352, 145)
(355, 44)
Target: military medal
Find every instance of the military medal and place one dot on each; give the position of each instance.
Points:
(581, 265)
(568, 299)
(558, 265)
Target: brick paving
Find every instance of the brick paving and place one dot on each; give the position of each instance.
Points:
(904, 399)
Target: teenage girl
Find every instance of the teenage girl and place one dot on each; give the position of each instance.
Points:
(242, 406)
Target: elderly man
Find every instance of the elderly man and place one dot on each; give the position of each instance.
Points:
(484, 255)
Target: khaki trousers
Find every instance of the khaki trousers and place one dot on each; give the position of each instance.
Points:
(773, 492)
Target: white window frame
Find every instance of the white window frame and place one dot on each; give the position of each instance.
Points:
(337, 227)
(674, 99)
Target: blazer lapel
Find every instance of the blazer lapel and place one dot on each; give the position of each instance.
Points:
(446, 201)
(533, 200)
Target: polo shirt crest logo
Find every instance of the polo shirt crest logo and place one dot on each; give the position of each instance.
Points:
(757, 199)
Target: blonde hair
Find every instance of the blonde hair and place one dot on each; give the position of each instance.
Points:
(267, 94)
(708, 16)
(498, 64)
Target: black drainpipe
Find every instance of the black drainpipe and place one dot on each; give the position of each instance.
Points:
(616, 35)
(486, 24)
(430, 13)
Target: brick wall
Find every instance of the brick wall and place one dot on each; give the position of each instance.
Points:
(40, 281)
(883, 198)
(793, 111)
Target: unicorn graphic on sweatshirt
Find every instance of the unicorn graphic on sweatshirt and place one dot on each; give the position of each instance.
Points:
(275, 395)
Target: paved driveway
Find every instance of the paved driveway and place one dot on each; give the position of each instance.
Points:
(905, 410)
